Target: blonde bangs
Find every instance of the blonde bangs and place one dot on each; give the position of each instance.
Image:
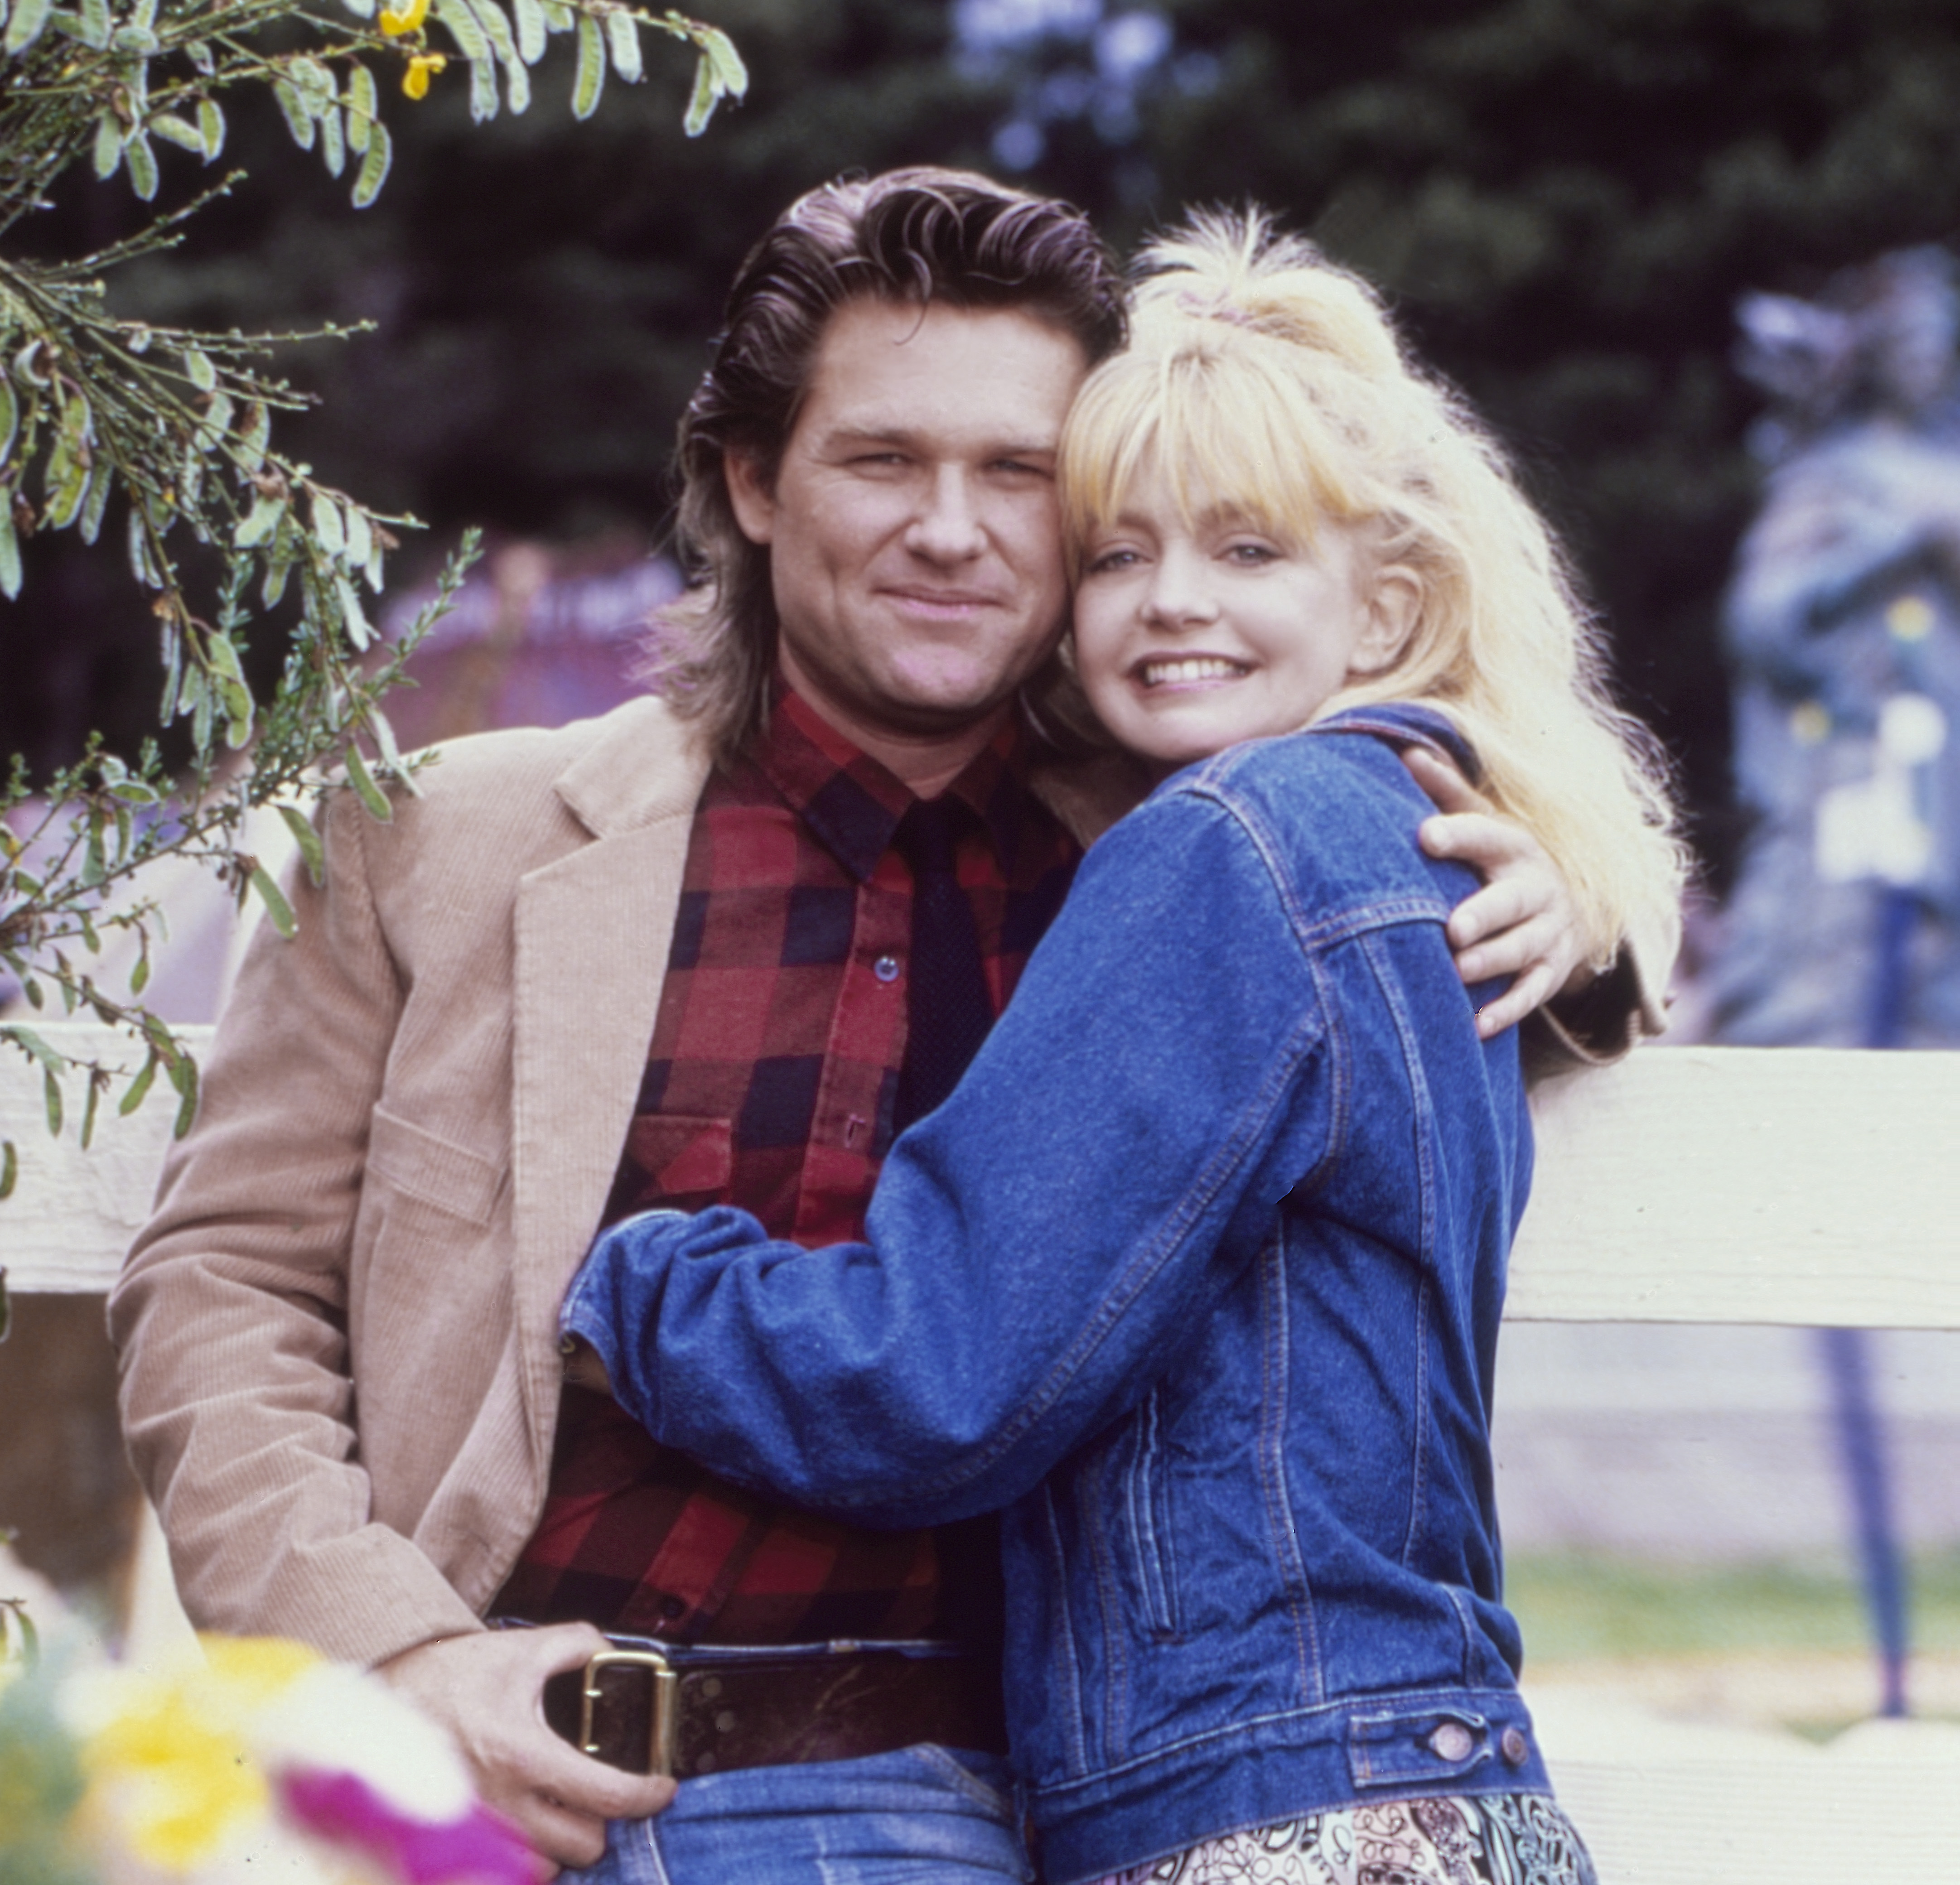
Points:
(1226, 429)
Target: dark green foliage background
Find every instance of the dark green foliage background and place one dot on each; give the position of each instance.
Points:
(1563, 197)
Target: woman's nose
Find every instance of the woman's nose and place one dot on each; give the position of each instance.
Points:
(1178, 596)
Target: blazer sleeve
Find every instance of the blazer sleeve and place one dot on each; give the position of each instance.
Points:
(230, 1313)
(1038, 1248)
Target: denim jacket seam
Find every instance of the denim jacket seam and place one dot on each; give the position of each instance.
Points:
(1276, 1406)
(1425, 1109)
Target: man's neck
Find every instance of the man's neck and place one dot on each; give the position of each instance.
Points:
(925, 762)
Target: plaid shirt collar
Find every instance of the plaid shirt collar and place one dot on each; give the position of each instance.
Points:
(852, 804)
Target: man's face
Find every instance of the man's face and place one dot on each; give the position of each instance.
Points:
(915, 542)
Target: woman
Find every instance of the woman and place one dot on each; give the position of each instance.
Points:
(1199, 1272)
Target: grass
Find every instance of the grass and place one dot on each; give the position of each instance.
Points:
(1578, 1607)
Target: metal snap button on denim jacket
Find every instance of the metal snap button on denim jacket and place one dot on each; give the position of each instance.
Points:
(1199, 1274)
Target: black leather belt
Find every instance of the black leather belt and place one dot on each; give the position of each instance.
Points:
(657, 1708)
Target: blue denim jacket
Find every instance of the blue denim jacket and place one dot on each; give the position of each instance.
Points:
(1198, 1274)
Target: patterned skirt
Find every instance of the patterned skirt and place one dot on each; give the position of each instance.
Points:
(1479, 1839)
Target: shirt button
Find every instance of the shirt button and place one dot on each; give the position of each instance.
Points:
(671, 1607)
(886, 968)
(1516, 1749)
(1452, 1742)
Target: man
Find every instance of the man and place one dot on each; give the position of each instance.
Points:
(695, 950)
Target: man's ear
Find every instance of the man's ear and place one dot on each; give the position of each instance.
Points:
(750, 495)
(1394, 609)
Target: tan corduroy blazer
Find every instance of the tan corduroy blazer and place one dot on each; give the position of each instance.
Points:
(339, 1331)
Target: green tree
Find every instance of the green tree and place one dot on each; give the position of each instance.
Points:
(163, 432)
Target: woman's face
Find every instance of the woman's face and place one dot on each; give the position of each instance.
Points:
(1191, 636)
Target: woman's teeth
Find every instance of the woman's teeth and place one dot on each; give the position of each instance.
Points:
(1191, 668)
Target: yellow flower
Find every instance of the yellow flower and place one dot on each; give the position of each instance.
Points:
(167, 1758)
(414, 81)
(407, 19)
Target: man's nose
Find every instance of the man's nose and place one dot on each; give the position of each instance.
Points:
(947, 528)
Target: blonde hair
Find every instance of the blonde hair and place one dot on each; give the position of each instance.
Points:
(1261, 378)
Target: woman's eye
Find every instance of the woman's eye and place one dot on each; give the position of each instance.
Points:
(1102, 561)
(1251, 553)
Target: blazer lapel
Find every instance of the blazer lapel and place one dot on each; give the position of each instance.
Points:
(594, 929)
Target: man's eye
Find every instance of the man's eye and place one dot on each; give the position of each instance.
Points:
(1020, 468)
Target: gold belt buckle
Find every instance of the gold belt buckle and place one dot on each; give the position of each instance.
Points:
(666, 1703)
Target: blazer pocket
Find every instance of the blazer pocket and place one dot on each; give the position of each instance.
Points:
(682, 1161)
(419, 1165)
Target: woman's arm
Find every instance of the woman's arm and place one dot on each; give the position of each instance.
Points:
(1038, 1246)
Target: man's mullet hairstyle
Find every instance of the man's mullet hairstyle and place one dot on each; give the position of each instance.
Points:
(915, 237)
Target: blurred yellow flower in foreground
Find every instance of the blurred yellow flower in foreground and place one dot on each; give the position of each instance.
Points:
(395, 22)
(173, 1757)
(415, 80)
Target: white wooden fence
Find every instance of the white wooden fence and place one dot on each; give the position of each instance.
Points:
(1688, 1184)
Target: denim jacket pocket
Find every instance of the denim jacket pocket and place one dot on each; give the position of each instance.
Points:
(1146, 1519)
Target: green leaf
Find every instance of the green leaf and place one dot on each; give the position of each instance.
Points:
(183, 1077)
(30, 1637)
(51, 1094)
(108, 152)
(391, 754)
(55, 1062)
(10, 1173)
(370, 795)
(211, 127)
(299, 120)
(275, 900)
(353, 617)
(101, 480)
(175, 130)
(223, 655)
(591, 80)
(259, 521)
(360, 537)
(94, 18)
(463, 27)
(203, 374)
(531, 29)
(307, 838)
(701, 102)
(25, 26)
(10, 420)
(138, 1089)
(362, 106)
(483, 100)
(93, 870)
(729, 73)
(88, 1110)
(142, 162)
(10, 549)
(333, 143)
(373, 165)
(329, 528)
(559, 17)
(139, 976)
(623, 36)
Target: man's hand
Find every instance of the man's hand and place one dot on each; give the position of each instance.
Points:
(1522, 923)
(488, 1689)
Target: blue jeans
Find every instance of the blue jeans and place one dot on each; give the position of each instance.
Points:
(924, 1816)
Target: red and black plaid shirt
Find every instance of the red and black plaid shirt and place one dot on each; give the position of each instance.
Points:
(770, 1084)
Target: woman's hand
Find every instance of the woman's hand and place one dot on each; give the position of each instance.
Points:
(1522, 923)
